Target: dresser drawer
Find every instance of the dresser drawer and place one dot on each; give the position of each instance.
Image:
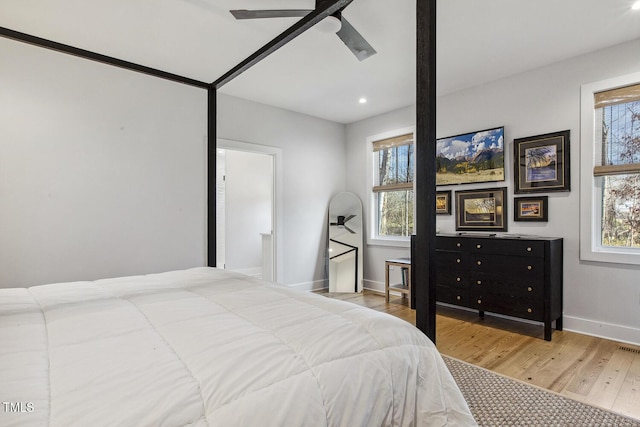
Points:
(450, 260)
(516, 247)
(452, 277)
(508, 247)
(453, 243)
(526, 308)
(499, 284)
(452, 295)
(509, 266)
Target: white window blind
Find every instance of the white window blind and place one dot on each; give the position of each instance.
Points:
(617, 122)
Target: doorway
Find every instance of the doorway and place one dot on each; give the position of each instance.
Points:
(246, 213)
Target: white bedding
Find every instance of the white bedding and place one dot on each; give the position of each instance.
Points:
(205, 347)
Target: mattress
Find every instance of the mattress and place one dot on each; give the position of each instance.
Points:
(207, 347)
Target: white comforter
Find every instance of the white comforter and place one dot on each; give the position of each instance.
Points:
(205, 347)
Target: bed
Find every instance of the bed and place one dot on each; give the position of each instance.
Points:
(208, 347)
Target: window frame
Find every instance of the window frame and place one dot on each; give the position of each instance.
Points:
(372, 234)
(591, 187)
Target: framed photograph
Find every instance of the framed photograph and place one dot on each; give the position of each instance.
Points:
(443, 202)
(541, 163)
(481, 210)
(531, 208)
(470, 157)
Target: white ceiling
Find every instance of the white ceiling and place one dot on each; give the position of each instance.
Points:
(477, 41)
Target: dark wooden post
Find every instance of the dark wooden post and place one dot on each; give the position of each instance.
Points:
(212, 133)
(423, 256)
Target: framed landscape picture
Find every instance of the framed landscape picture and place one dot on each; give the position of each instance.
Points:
(481, 210)
(531, 208)
(443, 202)
(470, 157)
(541, 163)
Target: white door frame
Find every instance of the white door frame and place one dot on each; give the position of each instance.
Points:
(276, 202)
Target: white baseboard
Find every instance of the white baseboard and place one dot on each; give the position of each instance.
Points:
(310, 286)
(608, 331)
(373, 286)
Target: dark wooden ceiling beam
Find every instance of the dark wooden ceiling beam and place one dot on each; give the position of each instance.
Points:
(93, 56)
(323, 10)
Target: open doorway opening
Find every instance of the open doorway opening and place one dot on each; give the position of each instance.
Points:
(246, 209)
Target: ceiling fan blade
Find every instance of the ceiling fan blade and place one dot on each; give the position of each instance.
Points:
(349, 217)
(355, 42)
(281, 13)
(349, 230)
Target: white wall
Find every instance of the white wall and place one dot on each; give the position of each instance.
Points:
(248, 187)
(599, 299)
(102, 170)
(314, 169)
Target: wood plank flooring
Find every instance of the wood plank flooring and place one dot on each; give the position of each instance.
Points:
(596, 371)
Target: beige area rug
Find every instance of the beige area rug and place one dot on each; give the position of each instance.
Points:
(496, 400)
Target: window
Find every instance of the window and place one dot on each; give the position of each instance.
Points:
(610, 167)
(392, 202)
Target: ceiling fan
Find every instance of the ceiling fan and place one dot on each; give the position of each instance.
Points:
(341, 220)
(343, 29)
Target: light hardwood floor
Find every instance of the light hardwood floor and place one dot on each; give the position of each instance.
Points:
(597, 371)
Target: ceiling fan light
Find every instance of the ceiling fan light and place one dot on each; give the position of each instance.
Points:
(330, 24)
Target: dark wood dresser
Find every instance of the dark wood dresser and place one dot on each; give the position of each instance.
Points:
(511, 275)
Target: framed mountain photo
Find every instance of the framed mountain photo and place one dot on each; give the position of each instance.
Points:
(471, 157)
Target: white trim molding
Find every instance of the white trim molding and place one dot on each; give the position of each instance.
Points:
(370, 234)
(608, 331)
(590, 186)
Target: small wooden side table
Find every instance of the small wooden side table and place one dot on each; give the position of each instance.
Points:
(405, 286)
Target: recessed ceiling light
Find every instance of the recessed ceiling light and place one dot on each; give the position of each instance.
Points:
(636, 5)
(362, 100)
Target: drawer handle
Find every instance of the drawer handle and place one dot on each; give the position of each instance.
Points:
(530, 289)
(479, 282)
(479, 262)
(528, 249)
(478, 246)
(529, 310)
(458, 260)
(458, 297)
(458, 244)
(458, 279)
(529, 267)
(479, 301)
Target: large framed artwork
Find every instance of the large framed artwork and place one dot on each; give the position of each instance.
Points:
(471, 157)
(541, 163)
(481, 210)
